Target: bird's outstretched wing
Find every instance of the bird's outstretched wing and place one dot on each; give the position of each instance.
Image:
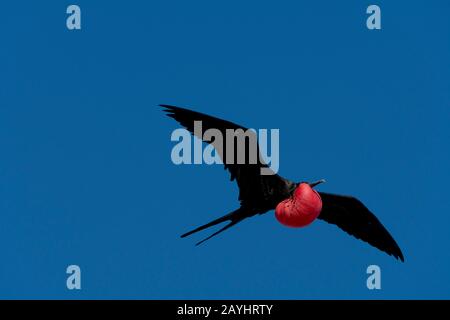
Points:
(352, 216)
(254, 188)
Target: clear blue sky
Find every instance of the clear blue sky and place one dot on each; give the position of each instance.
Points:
(85, 170)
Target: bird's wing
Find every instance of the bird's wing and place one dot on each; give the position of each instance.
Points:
(253, 187)
(352, 216)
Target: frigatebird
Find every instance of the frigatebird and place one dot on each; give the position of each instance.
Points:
(259, 194)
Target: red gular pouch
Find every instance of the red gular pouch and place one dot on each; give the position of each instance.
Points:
(301, 209)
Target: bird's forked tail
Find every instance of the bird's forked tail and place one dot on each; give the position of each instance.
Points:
(234, 217)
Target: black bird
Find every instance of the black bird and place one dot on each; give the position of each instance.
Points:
(259, 194)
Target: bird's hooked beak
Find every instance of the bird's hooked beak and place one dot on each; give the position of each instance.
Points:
(312, 185)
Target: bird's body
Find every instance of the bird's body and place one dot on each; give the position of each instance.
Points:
(259, 194)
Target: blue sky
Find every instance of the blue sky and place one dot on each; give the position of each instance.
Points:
(85, 170)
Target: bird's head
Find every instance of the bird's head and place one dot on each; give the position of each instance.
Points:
(313, 184)
(310, 184)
